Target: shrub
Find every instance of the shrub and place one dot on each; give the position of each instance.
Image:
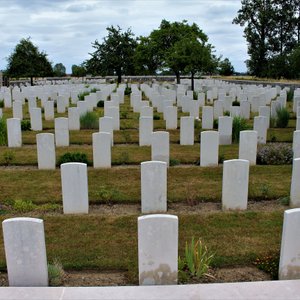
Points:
(3, 132)
(235, 103)
(238, 124)
(56, 273)
(127, 90)
(89, 120)
(283, 117)
(269, 264)
(216, 124)
(275, 154)
(156, 117)
(25, 125)
(100, 103)
(1, 103)
(197, 259)
(72, 157)
(227, 113)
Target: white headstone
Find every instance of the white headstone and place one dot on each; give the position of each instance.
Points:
(74, 118)
(145, 131)
(61, 104)
(248, 146)
(154, 186)
(36, 119)
(18, 110)
(160, 146)
(235, 184)
(289, 263)
(106, 125)
(49, 110)
(296, 143)
(74, 183)
(171, 117)
(207, 117)
(187, 130)
(209, 148)
(295, 184)
(158, 249)
(61, 128)
(46, 151)
(245, 109)
(260, 126)
(14, 133)
(114, 112)
(102, 149)
(25, 252)
(225, 130)
(265, 112)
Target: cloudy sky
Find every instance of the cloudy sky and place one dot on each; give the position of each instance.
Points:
(65, 29)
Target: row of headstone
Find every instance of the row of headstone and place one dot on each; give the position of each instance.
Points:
(26, 257)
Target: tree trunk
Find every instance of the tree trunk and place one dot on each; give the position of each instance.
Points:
(119, 77)
(31, 80)
(192, 79)
(177, 77)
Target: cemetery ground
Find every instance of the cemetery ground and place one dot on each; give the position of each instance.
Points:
(100, 248)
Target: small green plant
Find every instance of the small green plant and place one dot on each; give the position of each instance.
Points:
(216, 124)
(89, 120)
(156, 117)
(23, 205)
(269, 264)
(195, 95)
(284, 201)
(197, 259)
(94, 90)
(273, 138)
(3, 132)
(290, 95)
(265, 191)
(174, 162)
(82, 95)
(197, 124)
(1, 103)
(108, 194)
(56, 273)
(8, 157)
(25, 125)
(100, 103)
(72, 157)
(227, 113)
(238, 124)
(235, 103)
(283, 117)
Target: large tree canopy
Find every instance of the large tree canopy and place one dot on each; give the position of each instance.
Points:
(272, 31)
(27, 61)
(115, 55)
(59, 70)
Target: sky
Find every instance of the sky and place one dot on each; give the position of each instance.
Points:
(66, 29)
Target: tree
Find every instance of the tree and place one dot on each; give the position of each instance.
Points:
(225, 67)
(115, 55)
(169, 38)
(78, 71)
(272, 31)
(59, 70)
(27, 61)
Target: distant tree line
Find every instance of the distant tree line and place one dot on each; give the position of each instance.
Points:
(272, 31)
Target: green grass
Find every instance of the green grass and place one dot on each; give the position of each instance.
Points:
(110, 243)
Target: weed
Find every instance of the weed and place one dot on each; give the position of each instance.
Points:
(23, 206)
(174, 162)
(284, 201)
(197, 124)
(197, 259)
(1, 103)
(265, 191)
(8, 157)
(3, 132)
(227, 113)
(108, 194)
(72, 157)
(127, 90)
(89, 120)
(25, 125)
(216, 124)
(82, 95)
(56, 273)
(94, 90)
(156, 117)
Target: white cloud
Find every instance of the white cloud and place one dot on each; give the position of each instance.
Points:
(65, 29)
